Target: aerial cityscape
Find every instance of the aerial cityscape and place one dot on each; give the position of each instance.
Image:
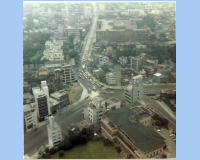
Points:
(99, 80)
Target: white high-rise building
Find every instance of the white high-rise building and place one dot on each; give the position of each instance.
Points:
(65, 13)
(54, 133)
(134, 91)
(41, 96)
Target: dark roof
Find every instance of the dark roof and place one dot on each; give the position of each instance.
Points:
(55, 62)
(145, 137)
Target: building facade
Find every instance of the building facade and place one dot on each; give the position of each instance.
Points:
(30, 117)
(74, 31)
(54, 133)
(118, 75)
(137, 141)
(137, 62)
(41, 96)
(110, 78)
(53, 51)
(68, 76)
(134, 91)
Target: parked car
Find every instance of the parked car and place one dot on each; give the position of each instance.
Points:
(112, 92)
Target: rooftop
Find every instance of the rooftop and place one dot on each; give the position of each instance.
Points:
(58, 94)
(158, 74)
(145, 137)
(112, 100)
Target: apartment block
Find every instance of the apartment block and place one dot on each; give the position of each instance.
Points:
(41, 95)
(123, 60)
(134, 91)
(30, 117)
(75, 31)
(123, 127)
(54, 133)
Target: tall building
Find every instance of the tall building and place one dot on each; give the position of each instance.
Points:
(134, 91)
(118, 76)
(41, 96)
(54, 133)
(137, 141)
(68, 75)
(65, 13)
(137, 62)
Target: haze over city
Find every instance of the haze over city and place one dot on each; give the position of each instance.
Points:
(99, 80)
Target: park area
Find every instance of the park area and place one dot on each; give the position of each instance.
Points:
(90, 150)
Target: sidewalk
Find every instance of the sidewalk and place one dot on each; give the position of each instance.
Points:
(167, 109)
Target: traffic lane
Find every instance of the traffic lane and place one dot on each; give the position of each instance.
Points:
(118, 93)
(34, 139)
(162, 112)
(158, 87)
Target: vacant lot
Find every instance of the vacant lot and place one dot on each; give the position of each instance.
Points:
(91, 150)
(75, 92)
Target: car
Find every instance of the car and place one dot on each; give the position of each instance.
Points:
(88, 84)
(159, 129)
(112, 92)
(174, 139)
(104, 92)
(83, 113)
(172, 135)
(80, 76)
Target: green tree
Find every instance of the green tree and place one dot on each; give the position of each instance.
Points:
(71, 45)
(152, 37)
(52, 150)
(61, 153)
(72, 37)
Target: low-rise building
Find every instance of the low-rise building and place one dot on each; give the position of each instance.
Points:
(103, 60)
(30, 117)
(54, 133)
(123, 127)
(95, 110)
(58, 100)
(53, 51)
(123, 60)
(149, 70)
(68, 75)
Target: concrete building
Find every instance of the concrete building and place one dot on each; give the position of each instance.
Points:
(118, 75)
(134, 91)
(123, 127)
(30, 117)
(123, 60)
(103, 60)
(53, 51)
(75, 31)
(137, 62)
(149, 70)
(65, 13)
(68, 76)
(58, 100)
(156, 77)
(58, 64)
(143, 73)
(114, 78)
(54, 133)
(120, 31)
(95, 110)
(153, 63)
(41, 96)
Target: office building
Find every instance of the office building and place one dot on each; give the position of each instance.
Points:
(74, 31)
(30, 117)
(110, 78)
(137, 62)
(41, 96)
(54, 133)
(123, 127)
(68, 76)
(120, 31)
(134, 92)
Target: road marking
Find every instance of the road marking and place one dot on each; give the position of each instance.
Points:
(78, 110)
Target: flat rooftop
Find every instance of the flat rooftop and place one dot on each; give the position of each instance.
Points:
(58, 94)
(112, 100)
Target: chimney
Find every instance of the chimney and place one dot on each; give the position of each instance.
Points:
(132, 118)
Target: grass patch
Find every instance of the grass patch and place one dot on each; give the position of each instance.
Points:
(35, 57)
(91, 150)
(135, 104)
